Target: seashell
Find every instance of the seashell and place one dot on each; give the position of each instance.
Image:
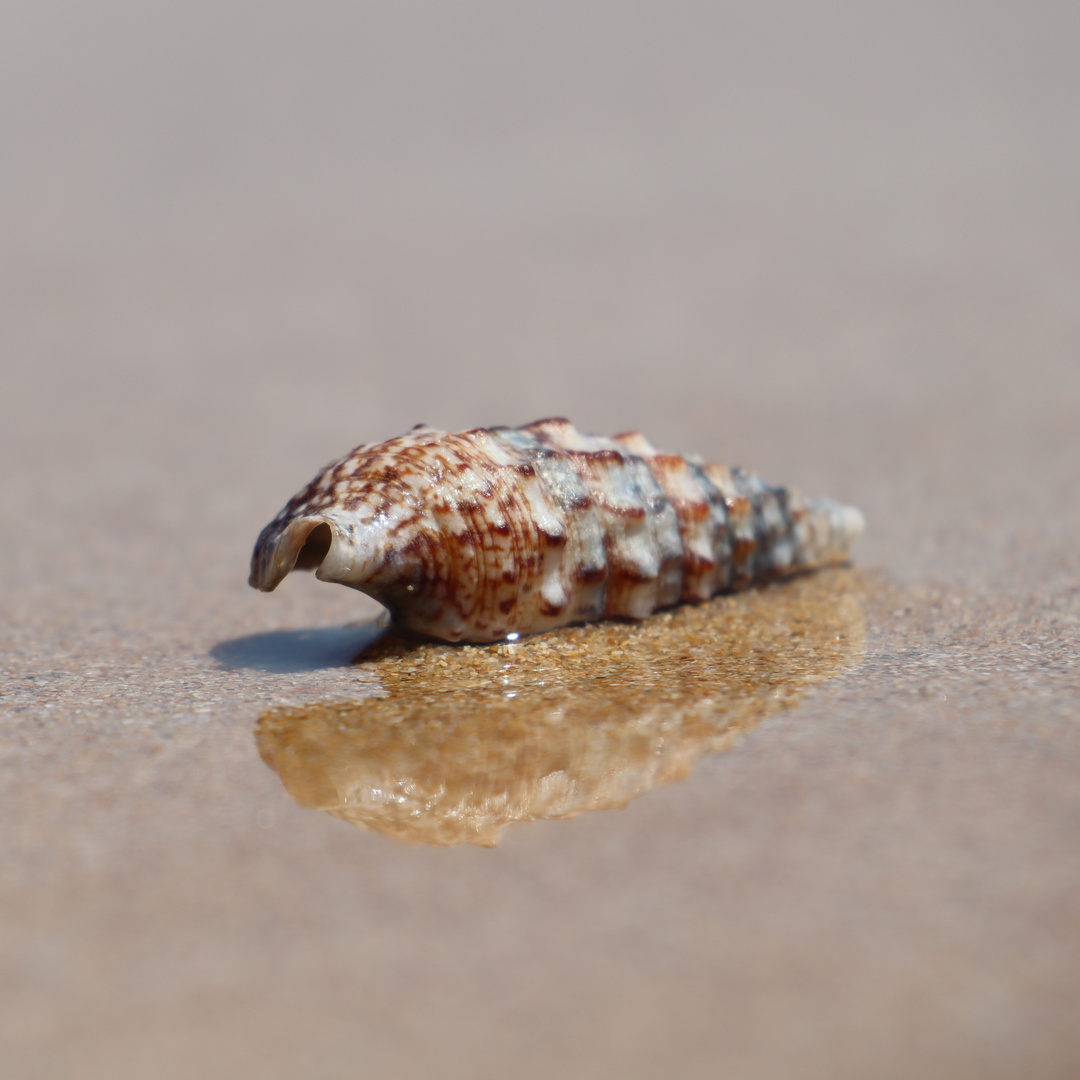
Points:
(509, 531)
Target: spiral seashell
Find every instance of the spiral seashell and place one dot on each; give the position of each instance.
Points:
(502, 531)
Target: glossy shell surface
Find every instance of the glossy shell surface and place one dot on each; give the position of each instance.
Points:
(500, 531)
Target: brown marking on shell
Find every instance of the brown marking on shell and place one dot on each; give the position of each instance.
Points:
(688, 496)
(471, 536)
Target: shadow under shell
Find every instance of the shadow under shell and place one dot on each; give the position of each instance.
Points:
(468, 739)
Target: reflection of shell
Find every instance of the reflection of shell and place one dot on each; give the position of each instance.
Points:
(514, 530)
(585, 718)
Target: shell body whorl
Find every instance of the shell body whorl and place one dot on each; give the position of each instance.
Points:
(473, 536)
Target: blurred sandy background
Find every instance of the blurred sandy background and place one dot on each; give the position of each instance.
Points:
(836, 242)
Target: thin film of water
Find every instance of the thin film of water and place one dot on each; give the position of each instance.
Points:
(469, 739)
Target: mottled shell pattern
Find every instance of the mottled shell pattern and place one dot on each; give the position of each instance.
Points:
(497, 531)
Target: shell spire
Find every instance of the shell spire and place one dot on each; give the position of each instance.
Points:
(473, 536)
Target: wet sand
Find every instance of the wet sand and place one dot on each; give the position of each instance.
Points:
(457, 742)
(843, 250)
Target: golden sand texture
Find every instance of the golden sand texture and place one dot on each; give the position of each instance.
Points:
(470, 738)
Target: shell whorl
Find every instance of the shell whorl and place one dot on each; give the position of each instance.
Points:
(473, 536)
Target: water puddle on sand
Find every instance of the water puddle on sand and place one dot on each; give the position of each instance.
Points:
(469, 738)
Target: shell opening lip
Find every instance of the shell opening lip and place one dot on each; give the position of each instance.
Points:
(303, 545)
